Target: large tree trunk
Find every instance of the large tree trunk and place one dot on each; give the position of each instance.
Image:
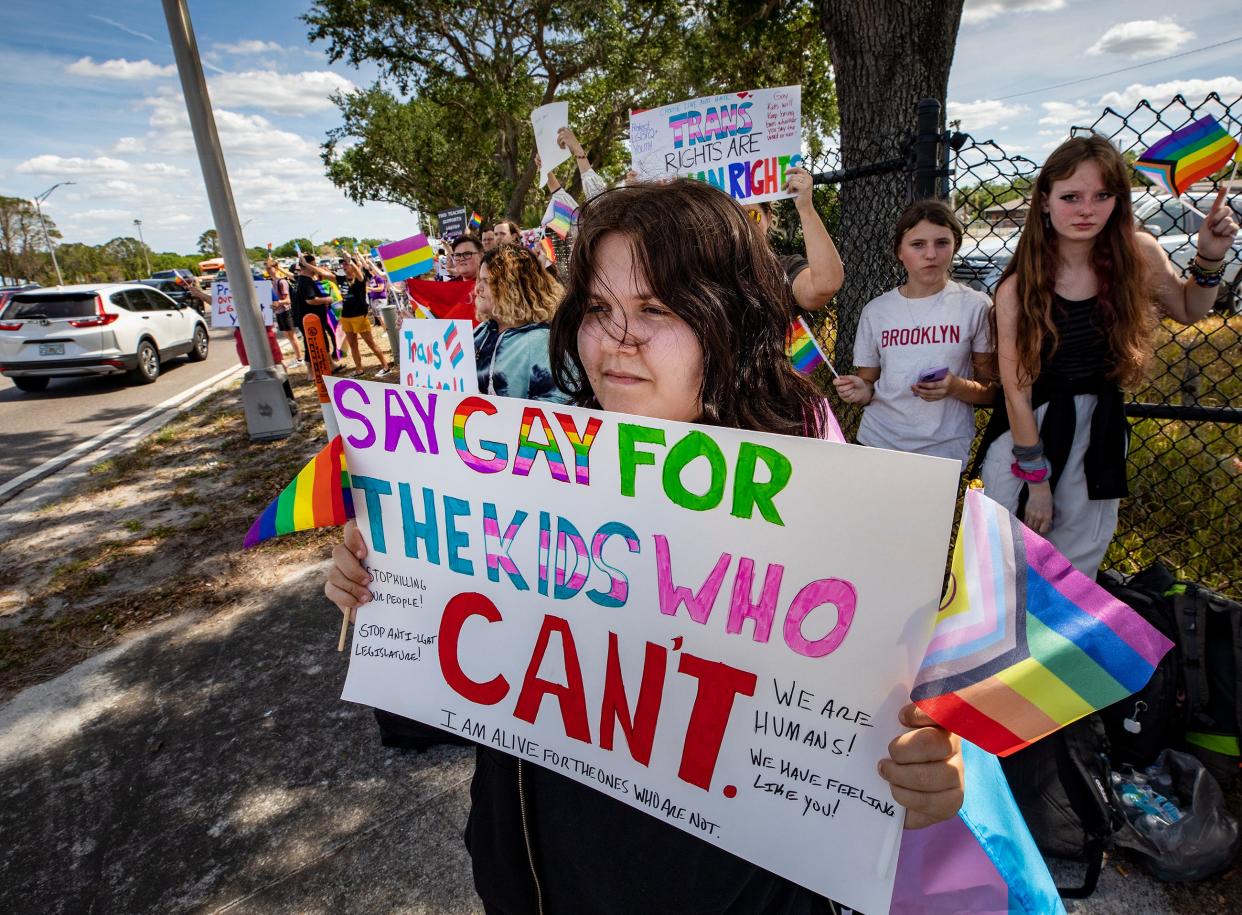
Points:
(886, 56)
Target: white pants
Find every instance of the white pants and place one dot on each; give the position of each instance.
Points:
(1081, 528)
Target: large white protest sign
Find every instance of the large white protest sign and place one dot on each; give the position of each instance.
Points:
(713, 626)
(438, 353)
(222, 311)
(547, 120)
(740, 142)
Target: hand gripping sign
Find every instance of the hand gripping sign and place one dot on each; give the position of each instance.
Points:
(716, 627)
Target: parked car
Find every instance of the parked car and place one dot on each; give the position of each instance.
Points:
(187, 275)
(176, 290)
(95, 329)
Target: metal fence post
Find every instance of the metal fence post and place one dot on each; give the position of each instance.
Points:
(927, 141)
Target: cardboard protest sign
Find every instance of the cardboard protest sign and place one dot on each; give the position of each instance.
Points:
(222, 313)
(716, 627)
(547, 120)
(740, 142)
(438, 354)
(452, 222)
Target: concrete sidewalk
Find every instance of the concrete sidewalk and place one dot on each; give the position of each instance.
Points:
(209, 765)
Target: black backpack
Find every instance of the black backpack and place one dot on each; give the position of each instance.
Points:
(1061, 785)
(1192, 700)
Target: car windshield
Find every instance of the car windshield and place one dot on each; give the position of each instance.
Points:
(67, 305)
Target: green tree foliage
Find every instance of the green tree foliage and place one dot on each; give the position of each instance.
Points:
(448, 123)
(209, 243)
(23, 252)
(290, 248)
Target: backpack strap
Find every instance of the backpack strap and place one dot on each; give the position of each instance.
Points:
(1095, 864)
(1191, 614)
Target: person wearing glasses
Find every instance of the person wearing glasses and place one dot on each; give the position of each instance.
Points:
(817, 277)
(467, 255)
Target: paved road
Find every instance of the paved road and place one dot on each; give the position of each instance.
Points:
(36, 427)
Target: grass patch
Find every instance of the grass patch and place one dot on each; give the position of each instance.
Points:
(133, 525)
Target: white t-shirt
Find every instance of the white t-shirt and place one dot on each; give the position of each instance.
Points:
(905, 338)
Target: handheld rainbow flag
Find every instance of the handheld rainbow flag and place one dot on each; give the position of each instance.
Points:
(804, 350)
(406, 259)
(475, 221)
(1187, 155)
(563, 216)
(1024, 643)
(319, 496)
(545, 245)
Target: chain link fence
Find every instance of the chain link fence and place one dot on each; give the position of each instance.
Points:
(1186, 446)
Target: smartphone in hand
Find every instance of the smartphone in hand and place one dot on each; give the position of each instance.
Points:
(931, 375)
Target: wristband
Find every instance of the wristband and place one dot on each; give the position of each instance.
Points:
(1029, 452)
(1030, 476)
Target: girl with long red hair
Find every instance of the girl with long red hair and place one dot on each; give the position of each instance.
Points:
(1074, 319)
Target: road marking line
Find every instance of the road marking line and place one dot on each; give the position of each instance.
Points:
(172, 404)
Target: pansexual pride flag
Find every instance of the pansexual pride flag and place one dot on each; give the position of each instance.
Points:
(1187, 155)
(803, 349)
(563, 216)
(408, 258)
(1024, 643)
(475, 221)
(319, 496)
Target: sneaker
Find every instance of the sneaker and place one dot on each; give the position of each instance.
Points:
(380, 373)
(294, 363)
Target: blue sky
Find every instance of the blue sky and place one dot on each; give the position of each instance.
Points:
(89, 95)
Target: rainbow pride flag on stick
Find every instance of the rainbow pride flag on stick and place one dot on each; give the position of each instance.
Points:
(1187, 155)
(804, 350)
(545, 245)
(563, 217)
(1024, 643)
(475, 221)
(319, 496)
(407, 259)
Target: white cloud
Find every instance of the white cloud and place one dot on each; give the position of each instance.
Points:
(977, 11)
(288, 93)
(119, 69)
(250, 46)
(983, 113)
(1194, 90)
(56, 166)
(115, 187)
(163, 168)
(129, 145)
(1065, 113)
(1142, 38)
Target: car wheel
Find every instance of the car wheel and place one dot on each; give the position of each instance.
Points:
(198, 348)
(1229, 298)
(148, 368)
(31, 384)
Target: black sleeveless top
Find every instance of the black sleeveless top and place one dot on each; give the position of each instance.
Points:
(1078, 362)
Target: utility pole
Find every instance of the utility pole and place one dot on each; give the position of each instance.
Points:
(266, 395)
(60, 280)
(141, 241)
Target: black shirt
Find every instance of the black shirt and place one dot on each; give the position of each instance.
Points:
(354, 304)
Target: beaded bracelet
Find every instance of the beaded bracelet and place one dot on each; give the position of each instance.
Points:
(1206, 277)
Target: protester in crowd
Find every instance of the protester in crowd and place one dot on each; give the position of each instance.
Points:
(816, 277)
(310, 295)
(354, 315)
(282, 308)
(1074, 323)
(515, 299)
(489, 239)
(467, 256)
(655, 323)
(592, 183)
(377, 290)
(922, 352)
(507, 232)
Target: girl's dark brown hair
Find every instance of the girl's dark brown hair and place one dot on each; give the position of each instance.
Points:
(937, 212)
(706, 261)
(1123, 301)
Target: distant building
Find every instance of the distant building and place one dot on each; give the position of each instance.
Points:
(1011, 214)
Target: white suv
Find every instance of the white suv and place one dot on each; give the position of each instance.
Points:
(95, 330)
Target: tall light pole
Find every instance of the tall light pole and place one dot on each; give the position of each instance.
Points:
(60, 280)
(145, 255)
(266, 396)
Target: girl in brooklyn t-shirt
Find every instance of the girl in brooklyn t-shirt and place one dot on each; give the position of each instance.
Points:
(922, 354)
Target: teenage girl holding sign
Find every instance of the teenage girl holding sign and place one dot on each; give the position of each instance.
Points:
(922, 350)
(654, 323)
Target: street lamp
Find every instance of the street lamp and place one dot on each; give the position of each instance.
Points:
(60, 280)
(145, 255)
